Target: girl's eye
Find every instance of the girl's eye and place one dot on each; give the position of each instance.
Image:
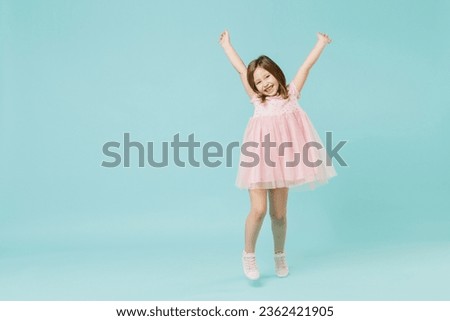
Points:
(257, 82)
(267, 76)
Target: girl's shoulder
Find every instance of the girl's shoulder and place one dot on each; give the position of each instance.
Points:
(293, 91)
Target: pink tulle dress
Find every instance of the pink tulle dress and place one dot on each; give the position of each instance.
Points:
(276, 150)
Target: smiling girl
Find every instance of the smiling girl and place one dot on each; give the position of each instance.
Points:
(278, 132)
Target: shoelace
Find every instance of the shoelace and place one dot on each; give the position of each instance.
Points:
(280, 262)
(250, 263)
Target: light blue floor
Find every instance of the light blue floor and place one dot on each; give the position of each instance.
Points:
(205, 265)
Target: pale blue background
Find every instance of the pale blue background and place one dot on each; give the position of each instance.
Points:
(77, 74)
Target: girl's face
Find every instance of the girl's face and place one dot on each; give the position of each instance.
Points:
(265, 82)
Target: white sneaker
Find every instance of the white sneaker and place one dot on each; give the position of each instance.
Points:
(249, 264)
(281, 267)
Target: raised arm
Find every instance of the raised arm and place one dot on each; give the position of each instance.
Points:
(302, 73)
(236, 61)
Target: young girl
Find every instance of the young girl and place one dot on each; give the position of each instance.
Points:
(281, 148)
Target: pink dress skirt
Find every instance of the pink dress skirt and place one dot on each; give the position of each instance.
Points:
(281, 148)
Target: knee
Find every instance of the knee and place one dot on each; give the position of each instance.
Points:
(258, 212)
(278, 216)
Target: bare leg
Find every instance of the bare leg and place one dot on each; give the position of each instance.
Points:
(278, 209)
(258, 209)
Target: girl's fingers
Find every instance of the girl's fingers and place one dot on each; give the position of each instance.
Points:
(223, 36)
(324, 35)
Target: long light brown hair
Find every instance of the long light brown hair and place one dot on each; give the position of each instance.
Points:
(269, 65)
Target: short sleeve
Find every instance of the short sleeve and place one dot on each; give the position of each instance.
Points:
(254, 98)
(292, 91)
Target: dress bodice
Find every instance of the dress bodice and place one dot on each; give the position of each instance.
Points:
(276, 105)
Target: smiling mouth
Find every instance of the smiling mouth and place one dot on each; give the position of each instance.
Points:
(268, 89)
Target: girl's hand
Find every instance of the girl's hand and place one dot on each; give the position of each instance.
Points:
(224, 38)
(323, 37)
